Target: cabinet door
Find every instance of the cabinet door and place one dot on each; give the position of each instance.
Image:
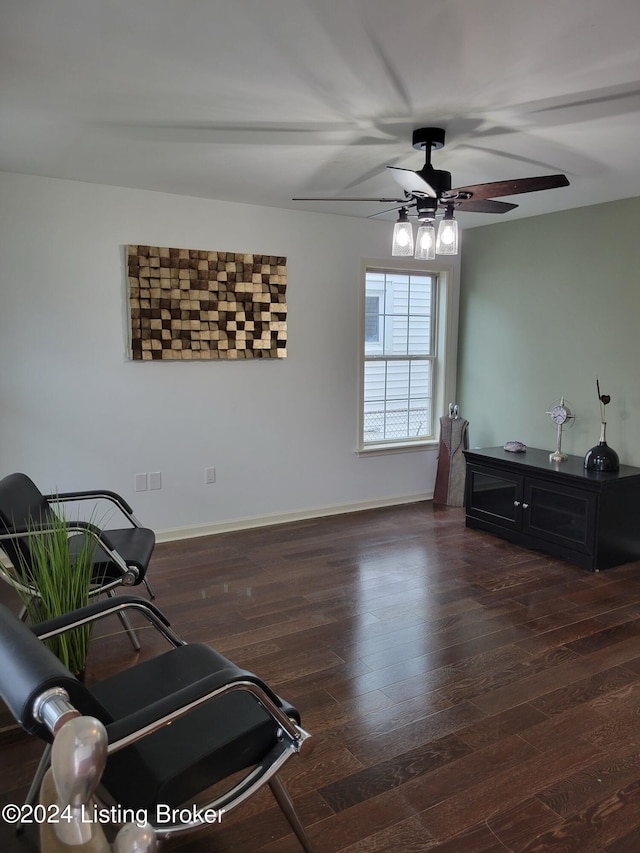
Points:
(494, 496)
(560, 514)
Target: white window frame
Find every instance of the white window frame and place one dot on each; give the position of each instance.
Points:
(446, 341)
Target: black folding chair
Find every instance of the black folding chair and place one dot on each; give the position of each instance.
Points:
(176, 724)
(121, 555)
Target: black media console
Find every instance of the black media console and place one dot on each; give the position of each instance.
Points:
(588, 518)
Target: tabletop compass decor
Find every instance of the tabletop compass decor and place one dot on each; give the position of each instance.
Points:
(561, 414)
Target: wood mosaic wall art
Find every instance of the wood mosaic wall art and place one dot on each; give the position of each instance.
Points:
(193, 305)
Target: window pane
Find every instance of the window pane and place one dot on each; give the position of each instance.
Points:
(403, 304)
(397, 400)
(372, 319)
(397, 295)
(396, 339)
(420, 295)
(419, 336)
(398, 380)
(374, 381)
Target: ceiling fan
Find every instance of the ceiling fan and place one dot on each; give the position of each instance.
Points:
(428, 189)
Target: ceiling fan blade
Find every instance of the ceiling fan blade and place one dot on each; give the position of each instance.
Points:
(402, 201)
(513, 187)
(484, 205)
(411, 182)
(391, 210)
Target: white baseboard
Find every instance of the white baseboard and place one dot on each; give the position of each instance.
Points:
(209, 529)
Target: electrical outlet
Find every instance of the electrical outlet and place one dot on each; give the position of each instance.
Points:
(209, 475)
(141, 483)
(155, 480)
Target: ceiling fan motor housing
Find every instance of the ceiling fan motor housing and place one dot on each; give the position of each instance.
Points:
(438, 180)
(426, 208)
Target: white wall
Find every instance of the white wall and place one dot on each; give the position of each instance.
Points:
(76, 413)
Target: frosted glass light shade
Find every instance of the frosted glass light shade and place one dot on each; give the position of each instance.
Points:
(426, 242)
(402, 235)
(447, 242)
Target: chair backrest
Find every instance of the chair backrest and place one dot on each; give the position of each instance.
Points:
(22, 505)
(28, 668)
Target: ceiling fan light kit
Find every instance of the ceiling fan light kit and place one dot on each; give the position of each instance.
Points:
(426, 242)
(447, 242)
(402, 244)
(428, 189)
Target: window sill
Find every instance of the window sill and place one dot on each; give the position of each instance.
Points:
(386, 449)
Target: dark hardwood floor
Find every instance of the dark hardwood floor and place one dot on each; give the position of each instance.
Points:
(466, 695)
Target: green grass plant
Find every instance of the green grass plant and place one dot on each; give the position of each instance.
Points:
(60, 573)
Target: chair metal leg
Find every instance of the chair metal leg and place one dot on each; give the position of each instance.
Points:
(126, 624)
(34, 790)
(283, 798)
(128, 627)
(152, 594)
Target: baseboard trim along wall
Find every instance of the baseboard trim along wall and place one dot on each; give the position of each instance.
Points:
(209, 529)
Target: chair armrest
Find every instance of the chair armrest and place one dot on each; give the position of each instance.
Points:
(101, 536)
(156, 715)
(94, 495)
(130, 573)
(103, 608)
(28, 670)
(19, 531)
(91, 494)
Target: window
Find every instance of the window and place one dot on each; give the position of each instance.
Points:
(403, 361)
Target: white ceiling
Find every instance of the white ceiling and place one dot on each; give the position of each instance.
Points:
(258, 101)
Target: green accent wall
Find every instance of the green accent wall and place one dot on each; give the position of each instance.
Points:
(546, 305)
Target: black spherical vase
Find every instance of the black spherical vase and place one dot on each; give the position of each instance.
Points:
(602, 457)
